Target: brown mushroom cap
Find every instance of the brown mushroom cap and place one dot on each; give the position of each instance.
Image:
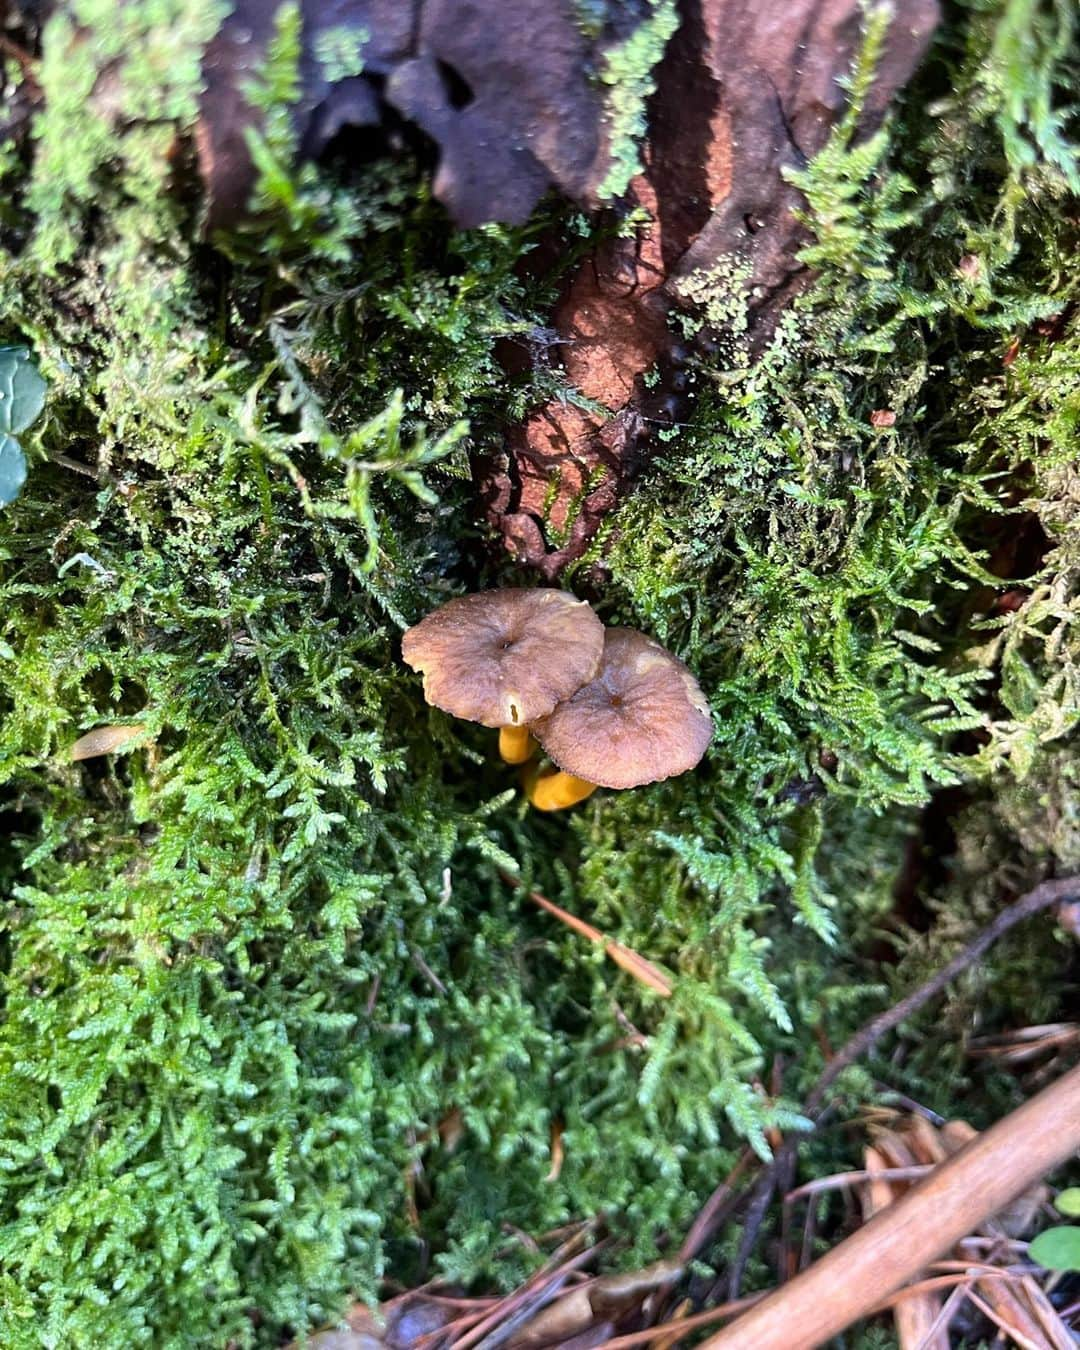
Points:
(641, 719)
(505, 658)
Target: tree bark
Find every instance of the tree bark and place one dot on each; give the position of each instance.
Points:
(743, 92)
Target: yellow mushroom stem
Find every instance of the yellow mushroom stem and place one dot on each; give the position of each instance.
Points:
(516, 745)
(554, 790)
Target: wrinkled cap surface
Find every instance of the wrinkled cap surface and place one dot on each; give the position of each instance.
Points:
(505, 658)
(641, 719)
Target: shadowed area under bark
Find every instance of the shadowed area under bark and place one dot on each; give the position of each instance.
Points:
(501, 88)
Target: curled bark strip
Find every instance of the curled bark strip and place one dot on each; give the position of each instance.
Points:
(743, 92)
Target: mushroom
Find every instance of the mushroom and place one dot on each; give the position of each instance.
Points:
(505, 658)
(643, 718)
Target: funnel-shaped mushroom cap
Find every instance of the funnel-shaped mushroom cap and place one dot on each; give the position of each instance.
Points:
(504, 658)
(643, 718)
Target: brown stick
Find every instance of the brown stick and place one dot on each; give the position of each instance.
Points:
(781, 1171)
(900, 1241)
(839, 1180)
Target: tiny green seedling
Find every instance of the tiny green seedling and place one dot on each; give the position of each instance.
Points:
(22, 397)
(1059, 1248)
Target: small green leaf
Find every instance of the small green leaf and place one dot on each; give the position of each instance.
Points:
(22, 390)
(1068, 1202)
(12, 469)
(1057, 1249)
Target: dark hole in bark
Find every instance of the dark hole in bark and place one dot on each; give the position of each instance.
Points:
(356, 145)
(458, 89)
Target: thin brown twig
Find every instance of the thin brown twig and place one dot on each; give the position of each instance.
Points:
(508, 1326)
(934, 1283)
(908, 1103)
(563, 1232)
(946, 1313)
(564, 916)
(1014, 1333)
(425, 970)
(809, 1234)
(950, 1266)
(458, 1326)
(672, 1339)
(1046, 1315)
(533, 1291)
(715, 1209)
(1040, 898)
(66, 462)
(993, 1242)
(685, 1324)
(841, 1179)
(761, 1198)
(28, 64)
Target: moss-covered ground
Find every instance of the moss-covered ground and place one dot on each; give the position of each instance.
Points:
(252, 963)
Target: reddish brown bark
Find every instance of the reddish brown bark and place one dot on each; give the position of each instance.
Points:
(743, 91)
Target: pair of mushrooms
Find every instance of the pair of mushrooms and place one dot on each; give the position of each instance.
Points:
(610, 707)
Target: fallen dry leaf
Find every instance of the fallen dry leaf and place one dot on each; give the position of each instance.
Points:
(914, 1316)
(591, 1311)
(107, 741)
(557, 1151)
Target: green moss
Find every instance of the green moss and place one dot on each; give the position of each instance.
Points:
(628, 76)
(223, 1062)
